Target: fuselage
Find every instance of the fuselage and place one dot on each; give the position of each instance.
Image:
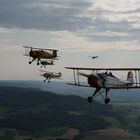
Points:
(42, 54)
(46, 63)
(51, 75)
(103, 80)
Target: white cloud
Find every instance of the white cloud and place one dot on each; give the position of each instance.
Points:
(117, 5)
(91, 19)
(4, 30)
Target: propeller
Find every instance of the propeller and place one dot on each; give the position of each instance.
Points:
(26, 54)
(42, 75)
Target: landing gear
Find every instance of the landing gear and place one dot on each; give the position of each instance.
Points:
(90, 99)
(30, 62)
(43, 66)
(38, 60)
(107, 100)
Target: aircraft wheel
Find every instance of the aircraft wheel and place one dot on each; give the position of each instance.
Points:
(107, 100)
(37, 63)
(30, 62)
(90, 99)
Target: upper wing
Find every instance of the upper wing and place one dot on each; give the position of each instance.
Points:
(44, 71)
(39, 48)
(107, 69)
(76, 75)
(49, 72)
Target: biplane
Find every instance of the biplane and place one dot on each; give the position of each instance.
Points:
(44, 63)
(39, 53)
(104, 79)
(93, 57)
(50, 75)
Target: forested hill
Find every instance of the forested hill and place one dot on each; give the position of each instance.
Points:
(34, 110)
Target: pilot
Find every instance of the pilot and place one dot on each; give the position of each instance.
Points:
(103, 77)
(110, 73)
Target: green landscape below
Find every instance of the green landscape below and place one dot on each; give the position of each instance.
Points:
(30, 114)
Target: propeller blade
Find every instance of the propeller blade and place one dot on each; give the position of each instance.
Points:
(26, 54)
(42, 70)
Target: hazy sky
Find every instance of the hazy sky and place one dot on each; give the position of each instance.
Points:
(77, 28)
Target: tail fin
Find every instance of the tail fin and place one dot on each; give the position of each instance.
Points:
(55, 53)
(60, 74)
(130, 77)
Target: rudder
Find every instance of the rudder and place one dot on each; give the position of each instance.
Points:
(130, 77)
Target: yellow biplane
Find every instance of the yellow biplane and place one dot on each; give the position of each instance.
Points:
(39, 53)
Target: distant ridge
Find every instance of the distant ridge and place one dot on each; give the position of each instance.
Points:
(61, 88)
(28, 108)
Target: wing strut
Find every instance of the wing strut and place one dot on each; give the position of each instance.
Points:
(139, 76)
(136, 77)
(74, 76)
(78, 82)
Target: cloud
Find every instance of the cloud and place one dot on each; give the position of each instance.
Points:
(99, 21)
(119, 18)
(117, 5)
(43, 15)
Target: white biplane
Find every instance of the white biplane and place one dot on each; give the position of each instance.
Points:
(50, 75)
(103, 78)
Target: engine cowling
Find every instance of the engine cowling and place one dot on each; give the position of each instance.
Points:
(93, 81)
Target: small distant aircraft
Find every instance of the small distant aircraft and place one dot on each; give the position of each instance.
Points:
(39, 53)
(51, 75)
(93, 57)
(102, 78)
(46, 62)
